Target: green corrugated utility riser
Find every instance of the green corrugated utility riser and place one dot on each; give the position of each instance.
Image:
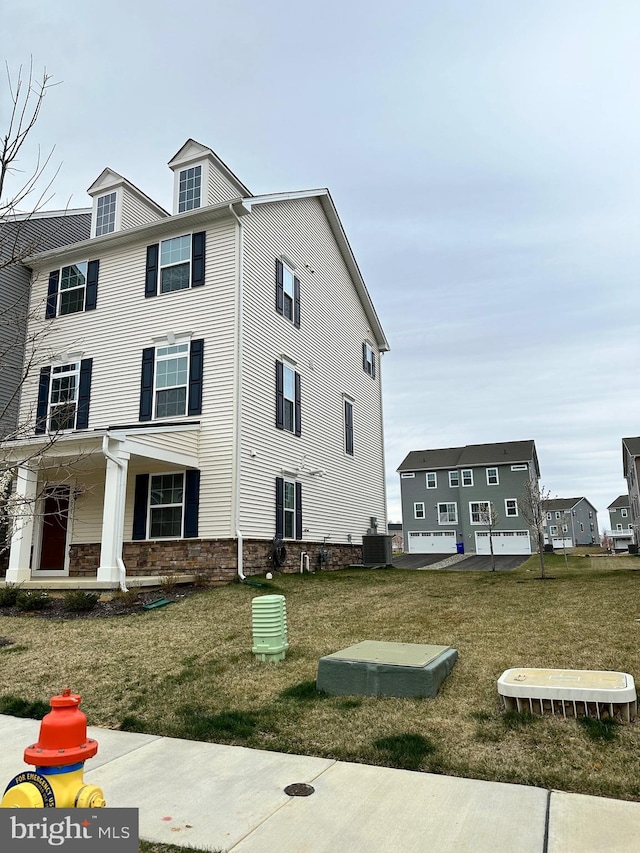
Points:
(269, 619)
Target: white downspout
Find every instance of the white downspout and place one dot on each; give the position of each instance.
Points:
(239, 353)
(119, 561)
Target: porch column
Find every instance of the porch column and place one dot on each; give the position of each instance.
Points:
(115, 492)
(23, 525)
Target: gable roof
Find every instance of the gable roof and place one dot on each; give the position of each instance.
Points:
(109, 180)
(620, 502)
(499, 453)
(630, 447)
(565, 503)
(39, 232)
(192, 151)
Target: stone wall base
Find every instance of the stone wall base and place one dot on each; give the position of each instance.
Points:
(214, 559)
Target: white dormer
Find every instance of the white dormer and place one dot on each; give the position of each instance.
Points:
(118, 205)
(201, 179)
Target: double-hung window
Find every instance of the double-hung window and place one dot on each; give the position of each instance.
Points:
(189, 189)
(166, 505)
(171, 381)
(511, 507)
(287, 292)
(368, 360)
(623, 513)
(288, 509)
(288, 399)
(467, 477)
(432, 480)
(175, 264)
(479, 512)
(72, 289)
(447, 513)
(64, 392)
(105, 214)
(492, 476)
(418, 509)
(454, 479)
(553, 530)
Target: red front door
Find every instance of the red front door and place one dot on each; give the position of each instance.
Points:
(54, 530)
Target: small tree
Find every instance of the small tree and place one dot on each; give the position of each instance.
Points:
(606, 541)
(532, 507)
(489, 518)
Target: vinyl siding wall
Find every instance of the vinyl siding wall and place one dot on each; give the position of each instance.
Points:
(114, 335)
(218, 188)
(135, 212)
(327, 350)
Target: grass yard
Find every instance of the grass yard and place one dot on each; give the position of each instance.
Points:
(188, 671)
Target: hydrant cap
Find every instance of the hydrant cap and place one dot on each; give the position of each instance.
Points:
(63, 734)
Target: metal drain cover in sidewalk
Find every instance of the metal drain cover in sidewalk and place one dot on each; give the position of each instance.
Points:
(299, 789)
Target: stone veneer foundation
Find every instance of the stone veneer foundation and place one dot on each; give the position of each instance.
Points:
(214, 559)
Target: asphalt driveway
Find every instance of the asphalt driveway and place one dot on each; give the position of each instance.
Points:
(475, 563)
(417, 561)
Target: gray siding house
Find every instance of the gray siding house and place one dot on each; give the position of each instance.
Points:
(631, 471)
(21, 237)
(449, 494)
(570, 522)
(620, 527)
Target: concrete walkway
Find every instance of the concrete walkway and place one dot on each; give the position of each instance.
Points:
(229, 798)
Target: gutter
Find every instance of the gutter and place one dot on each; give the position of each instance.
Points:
(239, 353)
(119, 561)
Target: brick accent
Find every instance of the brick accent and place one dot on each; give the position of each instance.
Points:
(215, 559)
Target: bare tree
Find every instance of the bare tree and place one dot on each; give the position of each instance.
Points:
(489, 518)
(532, 506)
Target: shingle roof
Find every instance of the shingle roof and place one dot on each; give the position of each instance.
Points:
(565, 503)
(471, 454)
(621, 501)
(42, 233)
(631, 446)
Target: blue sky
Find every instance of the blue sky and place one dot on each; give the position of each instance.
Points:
(483, 156)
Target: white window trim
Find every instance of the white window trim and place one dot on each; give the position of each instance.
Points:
(520, 467)
(204, 197)
(435, 479)
(370, 359)
(447, 504)
(497, 482)
(72, 363)
(285, 510)
(464, 471)
(184, 490)
(407, 475)
(415, 510)
(454, 485)
(471, 504)
(156, 361)
(162, 266)
(623, 513)
(94, 212)
(506, 508)
(553, 530)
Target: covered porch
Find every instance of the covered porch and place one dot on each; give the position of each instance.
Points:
(75, 493)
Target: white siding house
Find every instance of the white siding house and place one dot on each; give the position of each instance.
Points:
(213, 388)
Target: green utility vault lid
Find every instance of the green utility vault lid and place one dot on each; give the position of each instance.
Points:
(393, 654)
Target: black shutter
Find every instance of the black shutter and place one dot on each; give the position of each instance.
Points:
(151, 278)
(364, 357)
(91, 299)
(146, 383)
(348, 427)
(296, 302)
(43, 400)
(197, 258)
(279, 395)
(373, 364)
(279, 507)
(141, 497)
(298, 510)
(191, 504)
(298, 406)
(195, 377)
(84, 394)
(279, 287)
(52, 295)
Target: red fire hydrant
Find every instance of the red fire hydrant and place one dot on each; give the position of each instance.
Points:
(59, 757)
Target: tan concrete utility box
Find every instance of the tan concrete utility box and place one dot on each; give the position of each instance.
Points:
(569, 692)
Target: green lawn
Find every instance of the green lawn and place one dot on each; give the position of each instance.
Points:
(188, 671)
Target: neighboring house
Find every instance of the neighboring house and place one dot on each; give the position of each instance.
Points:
(21, 236)
(213, 388)
(631, 471)
(397, 541)
(449, 494)
(570, 522)
(621, 528)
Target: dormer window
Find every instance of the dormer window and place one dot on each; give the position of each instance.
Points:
(106, 214)
(190, 189)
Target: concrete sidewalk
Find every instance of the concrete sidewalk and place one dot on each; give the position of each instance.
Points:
(230, 798)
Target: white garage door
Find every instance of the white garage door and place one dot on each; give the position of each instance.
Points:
(504, 542)
(558, 542)
(432, 542)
